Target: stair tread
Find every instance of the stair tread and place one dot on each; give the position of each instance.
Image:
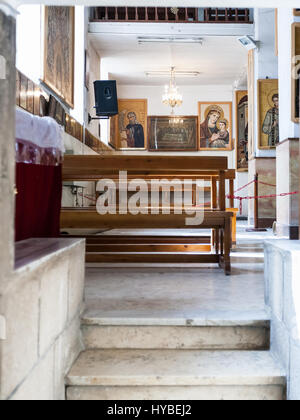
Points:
(94, 316)
(175, 367)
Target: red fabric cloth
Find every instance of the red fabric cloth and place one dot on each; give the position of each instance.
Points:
(38, 201)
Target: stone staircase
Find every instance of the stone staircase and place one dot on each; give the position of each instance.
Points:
(222, 361)
(161, 335)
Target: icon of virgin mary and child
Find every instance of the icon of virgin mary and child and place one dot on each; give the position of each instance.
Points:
(214, 132)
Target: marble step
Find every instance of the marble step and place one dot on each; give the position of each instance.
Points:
(251, 336)
(244, 259)
(175, 374)
(254, 249)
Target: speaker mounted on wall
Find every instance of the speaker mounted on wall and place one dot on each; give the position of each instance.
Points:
(106, 98)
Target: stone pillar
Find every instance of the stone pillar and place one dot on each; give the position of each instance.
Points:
(263, 161)
(287, 152)
(287, 224)
(7, 141)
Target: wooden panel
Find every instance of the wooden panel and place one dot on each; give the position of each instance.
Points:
(146, 240)
(153, 258)
(222, 197)
(234, 230)
(229, 174)
(87, 219)
(147, 248)
(87, 167)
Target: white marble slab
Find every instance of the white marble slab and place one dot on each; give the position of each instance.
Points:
(175, 296)
(174, 367)
(177, 393)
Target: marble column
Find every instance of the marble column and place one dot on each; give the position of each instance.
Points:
(287, 155)
(288, 179)
(7, 141)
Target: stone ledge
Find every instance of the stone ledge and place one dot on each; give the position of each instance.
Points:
(284, 245)
(34, 252)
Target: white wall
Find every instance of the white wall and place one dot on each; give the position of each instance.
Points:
(191, 96)
(79, 90)
(90, 96)
(29, 42)
(288, 129)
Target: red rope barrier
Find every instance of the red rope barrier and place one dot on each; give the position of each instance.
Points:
(88, 197)
(259, 197)
(245, 186)
(234, 197)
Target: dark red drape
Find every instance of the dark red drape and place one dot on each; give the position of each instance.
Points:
(38, 201)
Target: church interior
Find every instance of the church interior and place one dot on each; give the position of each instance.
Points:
(149, 197)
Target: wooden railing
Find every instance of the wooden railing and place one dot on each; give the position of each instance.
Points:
(165, 14)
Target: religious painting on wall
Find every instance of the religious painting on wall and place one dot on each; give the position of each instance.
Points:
(268, 113)
(295, 72)
(241, 118)
(59, 52)
(170, 133)
(215, 125)
(132, 124)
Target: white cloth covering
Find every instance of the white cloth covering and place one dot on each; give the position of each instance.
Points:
(43, 132)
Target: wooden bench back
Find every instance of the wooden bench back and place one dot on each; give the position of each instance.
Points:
(93, 168)
(88, 167)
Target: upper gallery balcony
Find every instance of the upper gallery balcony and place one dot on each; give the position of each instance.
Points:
(169, 15)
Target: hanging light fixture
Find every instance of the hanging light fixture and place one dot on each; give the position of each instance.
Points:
(172, 97)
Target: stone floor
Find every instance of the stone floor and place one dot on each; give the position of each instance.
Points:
(181, 295)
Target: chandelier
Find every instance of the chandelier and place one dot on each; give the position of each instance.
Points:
(172, 97)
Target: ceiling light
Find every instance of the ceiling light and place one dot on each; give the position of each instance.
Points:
(177, 74)
(169, 40)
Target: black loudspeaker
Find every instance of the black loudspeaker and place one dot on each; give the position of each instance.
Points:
(106, 98)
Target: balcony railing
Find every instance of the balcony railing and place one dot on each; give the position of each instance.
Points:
(165, 14)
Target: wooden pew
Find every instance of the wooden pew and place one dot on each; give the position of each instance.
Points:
(213, 219)
(94, 168)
